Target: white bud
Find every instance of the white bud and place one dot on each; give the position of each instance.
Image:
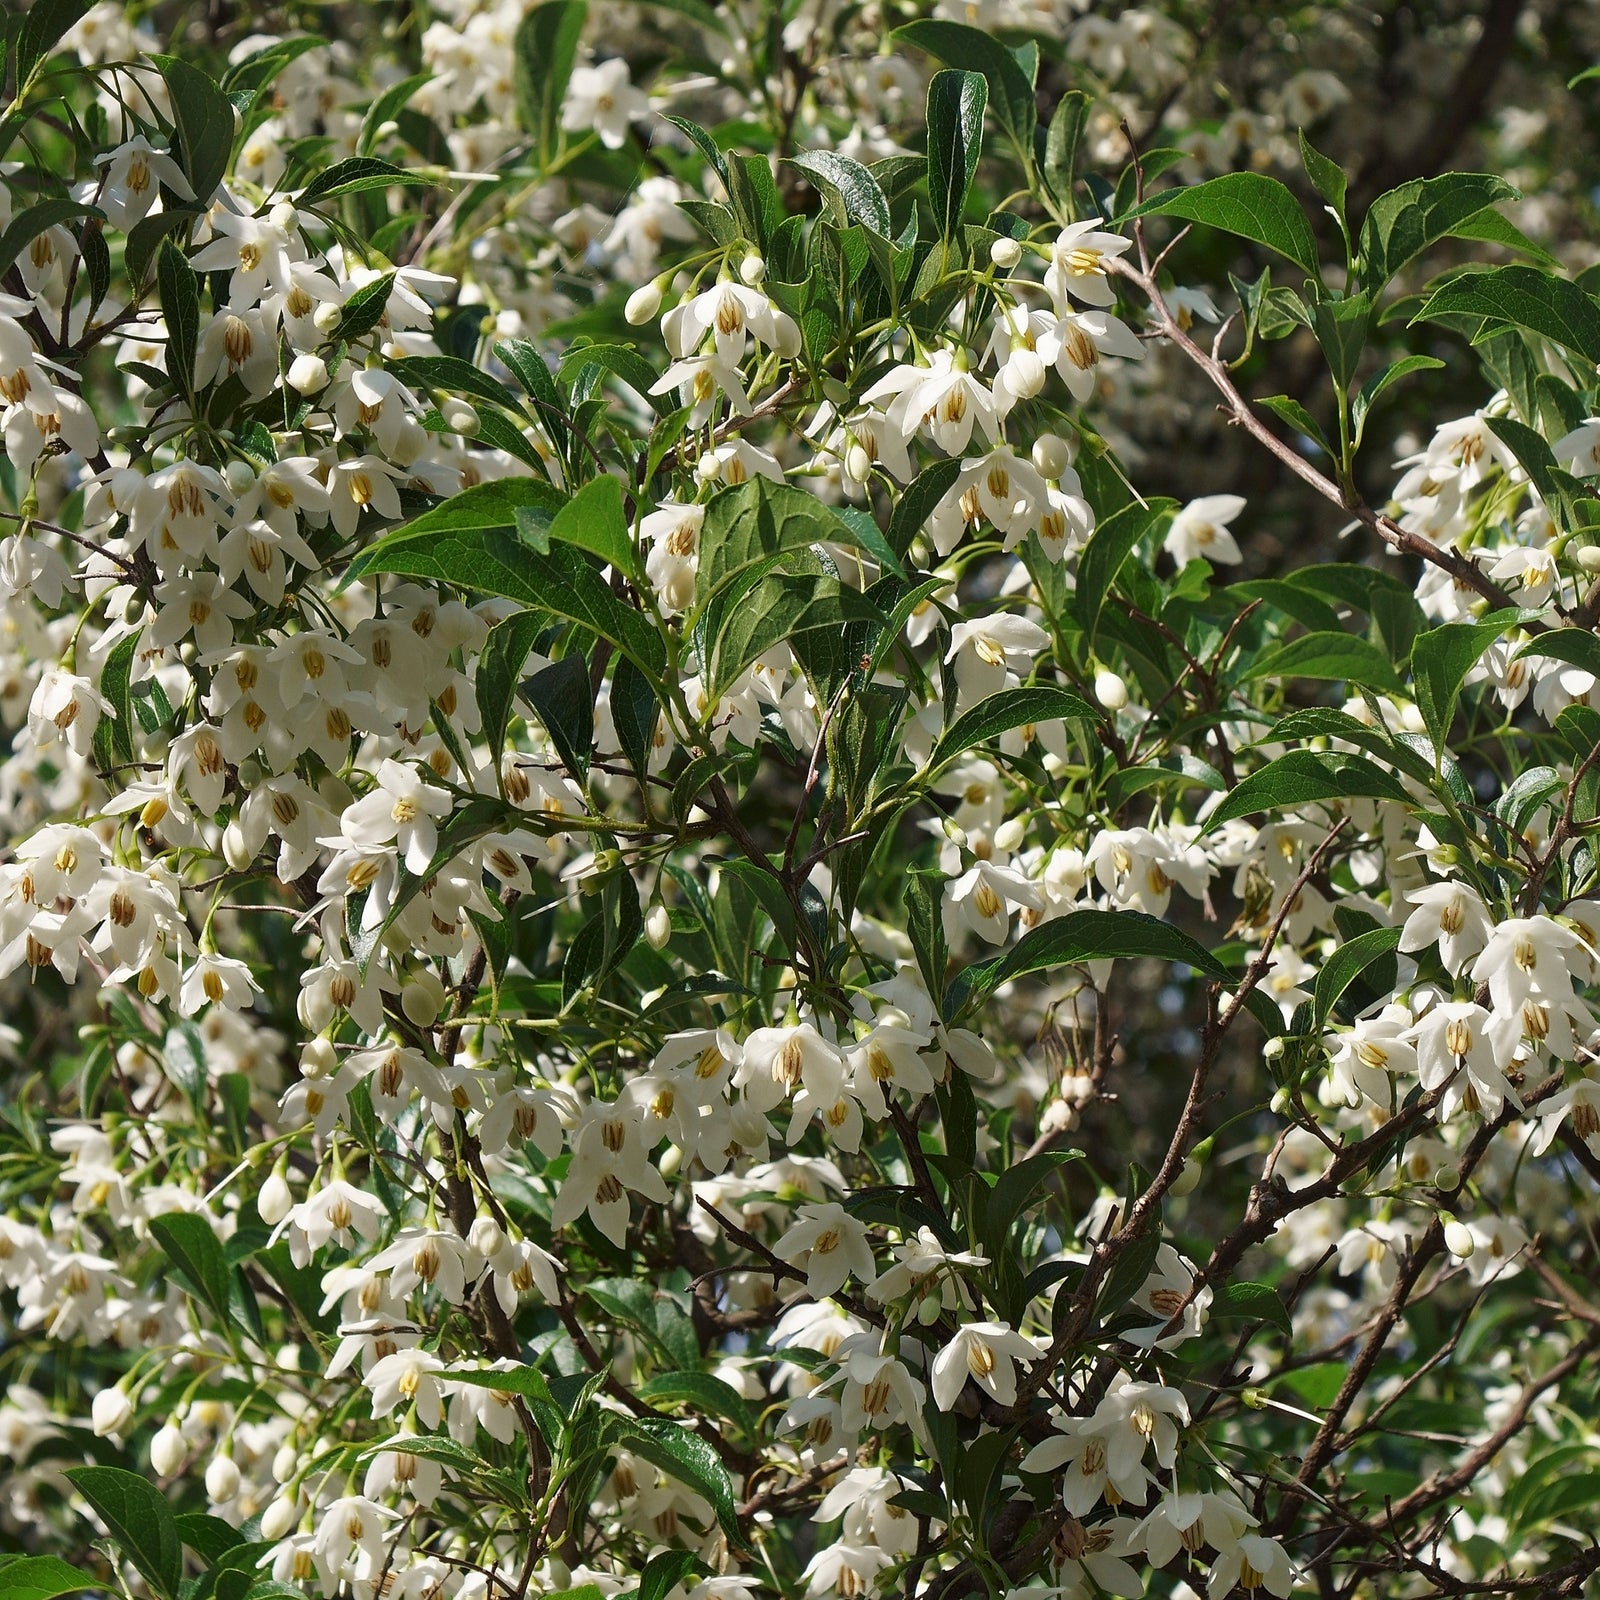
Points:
(1005, 253)
(279, 1517)
(167, 1450)
(1458, 1239)
(1025, 373)
(1110, 690)
(1188, 1177)
(308, 374)
(1009, 834)
(1273, 1048)
(679, 591)
(275, 1200)
(222, 1480)
(318, 1059)
(111, 1412)
(1052, 454)
(240, 477)
(284, 217)
(235, 847)
(857, 464)
(423, 999)
(708, 468)
(1588, 557)
(671, 1161)
(658, 926)
(643, 304)
(752, 269)
(1280, 1102)
(327, 316)
(487, 1237)
(460, 417)
(286, 1462)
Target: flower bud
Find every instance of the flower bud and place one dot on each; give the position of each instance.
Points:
(1110, 690)
(708, 468)
(1010, 833)
(222, 1480)
(111, 1411)
(279, 1517)
(643, 304)
(1458, 1239)
(752, 269)
(487, 1237)
(318, 1059)
(1273, 1048)
(167, 1450)
(235, 847)
(327, 316)
(857, 464)
(1187, 1180)
(460, 417)
(1025, 373)
(285, 1463)
(1280, 1102)
(1005, 253)
(1588, 557)
(284, 217)
(275, 1200)
(658, 926)
(1052, 454)
(240, 477)
(423, 999)
(308, 374)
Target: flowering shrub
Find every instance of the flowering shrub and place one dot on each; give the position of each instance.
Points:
(666, 933)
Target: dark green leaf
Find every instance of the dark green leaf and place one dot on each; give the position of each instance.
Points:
(1248, 204)
(1379, 381)
(561, 696)
(385, 108)
(1404, 222)
(1576, 646)
(1011, 97)
(848, 187)
(956, 103)
(499, 667)
(593, 520)
(1327, 177)
(140, 1521)
(1525, 297)
(688, 1458)
(40, 30)
(999, 713)
(1343, 657)
(1302, 777)
(356, 175)
(191, 1246)
(1079, 937)
(1441, 659)
(1109, 546)
(42, 1578)
(364, 310)
(1250, 1302)
(205, 119)
(27, 225)
(1347, 963)
(543, 53)
(178, 290)
(1064, 143)
(665, 1570)
(701, 1392)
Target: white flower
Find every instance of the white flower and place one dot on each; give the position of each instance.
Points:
(603, 98)
(1200, 531)
(987, 1352)
(831, 1245)
(1077, 266)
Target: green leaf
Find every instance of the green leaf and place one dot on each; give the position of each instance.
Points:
(1079, 937)
(1289, 410)
(851, 191)
(688, 1458)
(42, 1578)
(703, 142)
(178, 290)
(665, 1570)
(956, 103)
(113, 735)
(1111, 543)
(1441, 658)
(1341, 330)
(191, 1246)
(27, 225)
(206, 1535)
(1247, 204)
(593, 520)
(1302, 777)
(561, 697)
(1346, 964)
(635, 713)
(623, 362)
(543, 53)
(529, 1382)
(1576, 646)
(364, 310)
(1250, 1302)
(779, 607)
(916, 502)
(1327, 177)
(701, 1392)
(1001, 712)
(485, 505)
(1555, 308)
(1342, 657)
(140, 1521)
(1404, 222)
(385, 108)
(1011, 97)
(499, 666)
(40, 30)
(356, 175)
(205, 121)
(1014, 1190)
(1064, 143)
(1379, 381)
